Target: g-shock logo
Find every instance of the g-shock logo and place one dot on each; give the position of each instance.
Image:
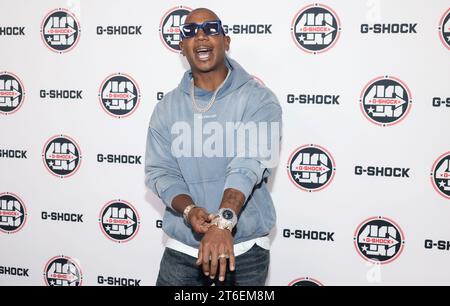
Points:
(379, 240)
(63, 271)
(60, 30)
(305, 282)
(12, 93)
(119, 30)
(440, 175)
(13, 213)
(159, 95)
(315, 28)
(441, 245)
(66, 94)
(61, 156)
(382, 171)
(169, 28)
(311, 168)
(313, 99)
(12, 31)
(389, 28)
(17, 154)
(119, 221)
(118, 281)
(119, 95)
(119, 159)
(308, 235)
(14, 271)
(62, 217)
(444, 29)
(247, 29)
(385, 101)
(441, 102)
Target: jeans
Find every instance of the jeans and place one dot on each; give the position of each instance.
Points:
(179, 269)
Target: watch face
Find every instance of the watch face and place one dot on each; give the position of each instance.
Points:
(227, 214)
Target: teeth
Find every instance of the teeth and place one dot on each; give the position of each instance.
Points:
(203, 55)
(203, 50)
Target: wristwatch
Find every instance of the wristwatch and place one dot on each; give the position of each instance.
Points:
(186, 212)
(226, 218)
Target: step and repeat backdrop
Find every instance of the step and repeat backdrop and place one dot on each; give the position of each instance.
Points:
(362, 191)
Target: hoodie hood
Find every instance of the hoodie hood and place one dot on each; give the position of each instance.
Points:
(238, 77)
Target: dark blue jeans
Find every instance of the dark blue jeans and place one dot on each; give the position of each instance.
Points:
(179, 269)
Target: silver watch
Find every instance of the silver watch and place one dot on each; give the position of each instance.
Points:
(226, 218)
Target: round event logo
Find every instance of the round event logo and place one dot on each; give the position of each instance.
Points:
(444, 29)
(12, 93)
(311, 168)
(13, 213)
(61, 156)
(305, 282)
(315, 28)
(385, 101)
(379, 240)
(440, 175)
(119, 221)
(119, 95)
(169, 27)
(60, 30)
(63, 271)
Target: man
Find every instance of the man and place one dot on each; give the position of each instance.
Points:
(219, 211)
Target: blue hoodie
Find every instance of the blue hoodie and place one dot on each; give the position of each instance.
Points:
(204, 178)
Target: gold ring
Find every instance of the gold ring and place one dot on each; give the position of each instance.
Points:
(223, 256)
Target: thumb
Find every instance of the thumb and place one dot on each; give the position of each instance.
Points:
(202, 215)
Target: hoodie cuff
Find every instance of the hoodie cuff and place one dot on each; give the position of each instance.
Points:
(241, 182)
(170, 193)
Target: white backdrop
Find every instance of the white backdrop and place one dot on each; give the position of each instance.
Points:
(411, 248)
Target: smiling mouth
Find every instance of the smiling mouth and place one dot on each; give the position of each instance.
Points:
(203, 53)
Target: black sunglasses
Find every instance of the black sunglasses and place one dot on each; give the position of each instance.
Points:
(212, 27)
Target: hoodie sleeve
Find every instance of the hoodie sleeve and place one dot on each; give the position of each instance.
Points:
(244, 172)
(162, 173)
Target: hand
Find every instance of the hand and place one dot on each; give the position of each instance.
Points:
(216, 242)
(200, 220)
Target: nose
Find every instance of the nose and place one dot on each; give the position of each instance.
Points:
(200, 35)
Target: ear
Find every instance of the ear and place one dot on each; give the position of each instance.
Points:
(180, 44)
(227, 40)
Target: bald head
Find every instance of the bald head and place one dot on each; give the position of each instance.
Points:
(201, 14)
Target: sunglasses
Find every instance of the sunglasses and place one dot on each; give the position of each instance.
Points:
(213, 27)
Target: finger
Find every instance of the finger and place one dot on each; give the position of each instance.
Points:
(223, 267)
(205, 260)
(232, 259)
(197, 215)
(213, 268)
(195, 227)
(211, 217)
(199, 256)
(199, 224)
(202, 214)
(203, 229)
(199, 228)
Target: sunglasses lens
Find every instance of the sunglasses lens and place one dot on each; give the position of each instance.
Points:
(211, 28)
(189, 29)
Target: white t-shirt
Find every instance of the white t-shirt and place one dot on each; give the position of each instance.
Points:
(239, 248)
